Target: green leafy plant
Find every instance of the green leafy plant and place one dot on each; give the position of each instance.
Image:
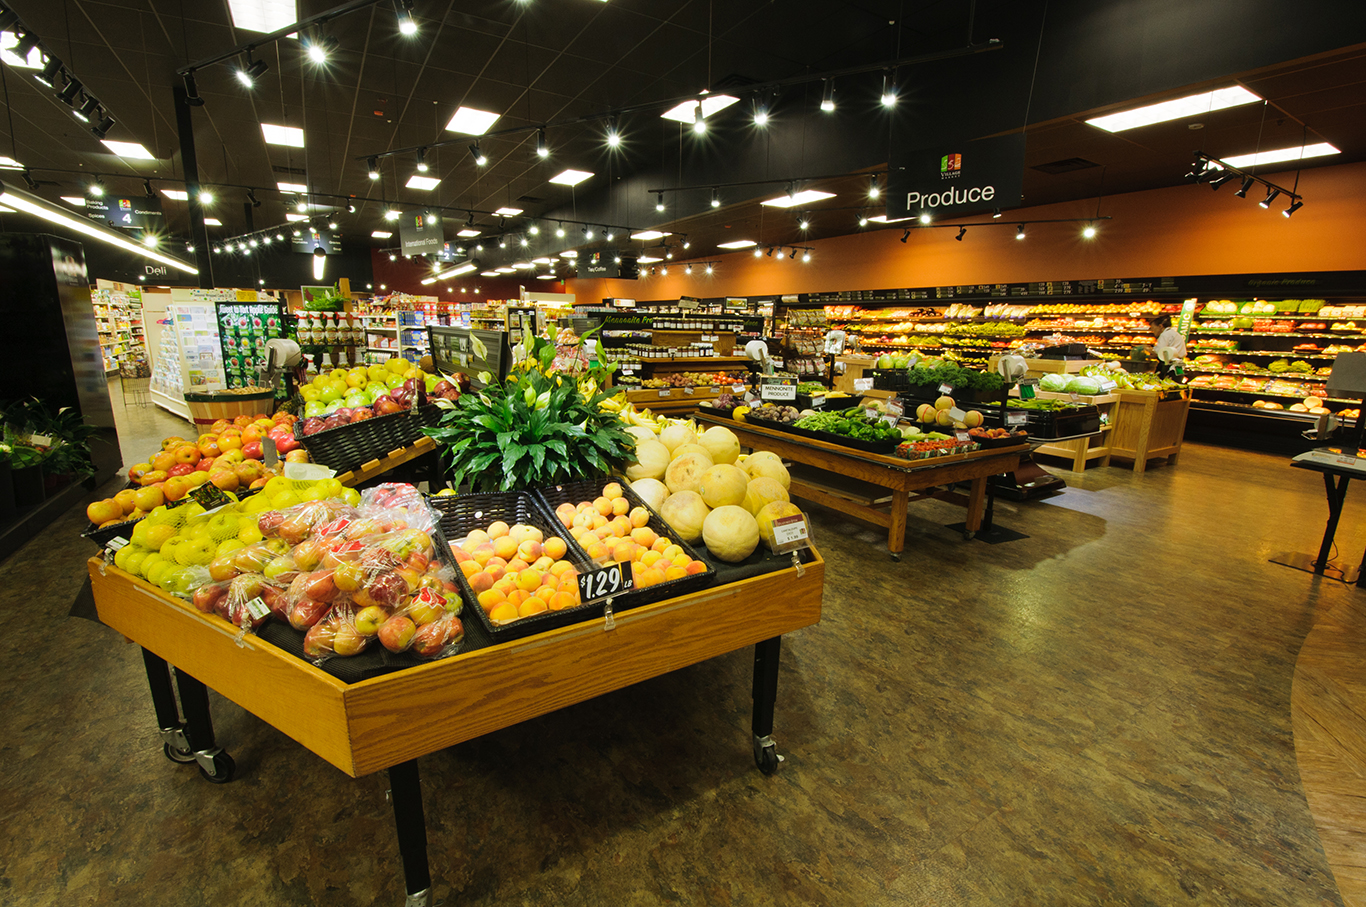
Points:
(331, 301)
(537, 428)
(955, 377)
(67, 450)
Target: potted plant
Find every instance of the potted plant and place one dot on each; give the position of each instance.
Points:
(26, 473)
(6, 486)
(62, 440)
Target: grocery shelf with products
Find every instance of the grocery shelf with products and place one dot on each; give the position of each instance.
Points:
(118, 318)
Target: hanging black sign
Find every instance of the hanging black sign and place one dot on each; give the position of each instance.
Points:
(129, 213)
(421, 233)
(310, 239)
(957, 179)
(599, 264)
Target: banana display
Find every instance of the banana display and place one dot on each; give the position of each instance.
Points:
(632, 416)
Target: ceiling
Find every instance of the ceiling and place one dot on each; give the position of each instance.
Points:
(557, 62)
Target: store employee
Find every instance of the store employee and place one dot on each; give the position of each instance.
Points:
(1168, 338)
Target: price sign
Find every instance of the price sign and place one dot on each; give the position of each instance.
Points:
(791, 533)
(628, 371)
(737, 388)
(863, 384)
(778, 392)
(1108, 385)
(666, 393)
(1075, 398)
(1016, 418)
(895, 407)
(946, 389)
(957, 414)
(749, 397)
(817, 402)
(891, 419)
(963, 436)
(114, 547)
(605, 582)
(257, 608)
(210, 496)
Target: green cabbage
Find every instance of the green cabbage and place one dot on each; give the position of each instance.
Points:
(1054, 382)
(1083, 385)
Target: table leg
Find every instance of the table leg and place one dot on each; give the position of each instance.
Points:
(766, 656)
(1335, 499)
(173, 742)
(977, 494)
(405, 790)
(214, 764)
(896, 532)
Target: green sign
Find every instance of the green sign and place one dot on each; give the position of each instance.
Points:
(1183, 324)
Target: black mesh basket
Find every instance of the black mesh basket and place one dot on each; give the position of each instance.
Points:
(102, 536)
(459, 514)
(348, 446)
(590, 489)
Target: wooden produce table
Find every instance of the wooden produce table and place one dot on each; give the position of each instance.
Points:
(1084, 448)
(394, 458)
(1148, 424)
(673, 401)
(901, 477)
(371, 725)
(854, 366)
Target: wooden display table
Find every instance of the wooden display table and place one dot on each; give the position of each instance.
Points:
(1148, 424)
(673, 401)
(1080, 450)
(387, 722)
(854, 367)
(900, 477)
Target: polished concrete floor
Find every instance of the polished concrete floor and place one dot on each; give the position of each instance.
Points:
(1097, 714)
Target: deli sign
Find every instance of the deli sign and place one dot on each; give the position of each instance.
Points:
(957, 179)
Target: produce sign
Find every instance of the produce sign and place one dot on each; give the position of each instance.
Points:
(605, 582)
(953, 180)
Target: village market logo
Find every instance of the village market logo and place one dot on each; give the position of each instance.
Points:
(950, 166)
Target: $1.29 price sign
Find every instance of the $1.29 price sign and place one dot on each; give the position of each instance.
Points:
(605, 582)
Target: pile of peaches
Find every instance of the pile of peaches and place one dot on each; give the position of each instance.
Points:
(517, 571)
(610, 530)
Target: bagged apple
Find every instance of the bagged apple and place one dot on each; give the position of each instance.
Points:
(439, 638)
(401, 501)
(248, 602)
(336, 635)
(309, 598)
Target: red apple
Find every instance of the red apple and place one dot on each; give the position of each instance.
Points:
(318, 640)
(287, 444)
(307, 612)
(319, 586)
(269, 523)
(207, 597)
(180, 469)
(396, 633)
(204, 465)
(252, 450)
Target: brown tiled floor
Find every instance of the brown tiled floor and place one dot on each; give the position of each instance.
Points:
(1098, 714)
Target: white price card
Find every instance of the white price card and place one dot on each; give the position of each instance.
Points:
(1108, 385)
(116, 545)
(895, 407)
(891, 419)
(963, 436)
(1075, 398)
(688, 390)
(605, 582)
(863, 384)
(946, 389)
(791, 533)
(778, 392)
(957, 414)
(749, 397)
(1016, 418)
(737, 388)
(817, 402)
(666, 393)
(257, 608)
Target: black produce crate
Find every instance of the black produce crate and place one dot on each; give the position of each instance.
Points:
(1057, 423)
(887, 447)
(348, 446)
(459, 514)
(590, 489)
(928, 393)
(804, 402)
(889, 379)
(1018, 437)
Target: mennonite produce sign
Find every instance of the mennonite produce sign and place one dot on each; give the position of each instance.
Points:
(957, 179)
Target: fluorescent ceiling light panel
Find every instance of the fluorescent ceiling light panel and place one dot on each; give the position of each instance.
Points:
(381, 234)
(4, 210)
(503, 270)
(470, 121)
(488, 273)
(736, 244)
(541, 261)
(468, 233)
(546, 277)
(882, 219)
(650, 234)
(295, 218)
(213, 222)
(263, 15)
(422, 182)
(292, 187)
(179, 195)
(35, 56)
(9, 163)
(571, 177)
(687, 111)
(523, 265)
(508, 212)
(805, 197)
(129, 149)
(1179, 108)
(291, 136)
(648, 259)
(1242, 161)
(569, 253)
(73, 200)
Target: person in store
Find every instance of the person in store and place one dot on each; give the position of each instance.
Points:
(1170, 348)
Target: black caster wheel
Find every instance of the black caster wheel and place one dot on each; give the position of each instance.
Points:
(896, 556)
(177, 755)
(223, 769)
(969, 536)
(767, 759)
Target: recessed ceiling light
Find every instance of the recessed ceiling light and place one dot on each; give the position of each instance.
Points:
(523, 265)
(469, 121)
(650, 234)
(283, 135)
(73, 200)
(1278, 156)
(8, 40)
(804, 197)
(687, 111)
(179, 195)
(263, 15)
(571, 177)
(541, 261)
(295, 218)
(213, 222)
(569, 253)
(292, 187)
(488, 273)
(508, 212)
(736, 244)
(9, 163)
(467, 233)
(422, 182)
(129, 149)
(1176, 109)
(648, 259)
(381, 234)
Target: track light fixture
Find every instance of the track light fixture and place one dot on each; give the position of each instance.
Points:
(541, 150)
(8, 19)
(613, 135)
(699, 125)
(770, 251)
(350, 208)
(716, 198)
(96, 188)
(874, 190)
(1218, 181)
(422, 160)
(372, 166)
(793, 254)
(1294, 206)
(403, 10)
(708, 268)
(24, 45)
(30, 181)
(252, 70)
(48, 76)
(1089, 231)
(322, 47)
(925, 218)
(147, 188)
(862, 218)
(192, 91)
(962, 231)
(995, 213)
(828, 97)
(1270, 197)
(534, 229)
(87, 109)
(1247, 184)
(588, 233)
(888, 92)
(69, 91)
(687, 269)
(478, 155)
(758, 252)
(906, 234)
(392, 214)
(805, 223)
(251, 197)
(760, 114)
(102, 127)
(686, 244)
(1019, 232)
(659, 202)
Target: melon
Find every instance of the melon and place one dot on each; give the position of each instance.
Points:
(695, 448)
(676, 434)
(652, 491)
(770, 468)
(972, 419)
(641, 433)
(945, 402)
(685, 472)
(925, 412)
(723, 485)
(759, 456)
(730, 533)
(1312, 402)
(774, 510)
(652, 459)
(762, 491)
(722, 444)
(685, 512)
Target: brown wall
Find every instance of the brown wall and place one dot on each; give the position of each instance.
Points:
(1185, 230)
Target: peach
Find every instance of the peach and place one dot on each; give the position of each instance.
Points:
(561, 600)
(481, 582)
(671, 552)
(623, 552)
(470, 567)
(696, 567)
(599, 521)
(584, 519)
(661, 543)
(532, 606)
(505, 547)
(517, 596)
(570, 587)
(529, 579)
(603, 506)
(490, 597)
(675, 573)
(545, 593)
(648, 577)
(460, 554)
(542, 563)
(620, 506)
(535, 534)
(482, 553)
(566, 514)
(554, 548)
(496, 561)
(597, 551)
(518, 534)
(478, 536)
(492, 571)
(498, 529)
(649, 557)
(549, 579)
(503, 613)
(517, 565)
(639, 517)
(559, 568)
(682, 560)
(611, 491)
(529, 550)
(643, 536)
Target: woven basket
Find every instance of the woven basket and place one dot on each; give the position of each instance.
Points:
(348, 446)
